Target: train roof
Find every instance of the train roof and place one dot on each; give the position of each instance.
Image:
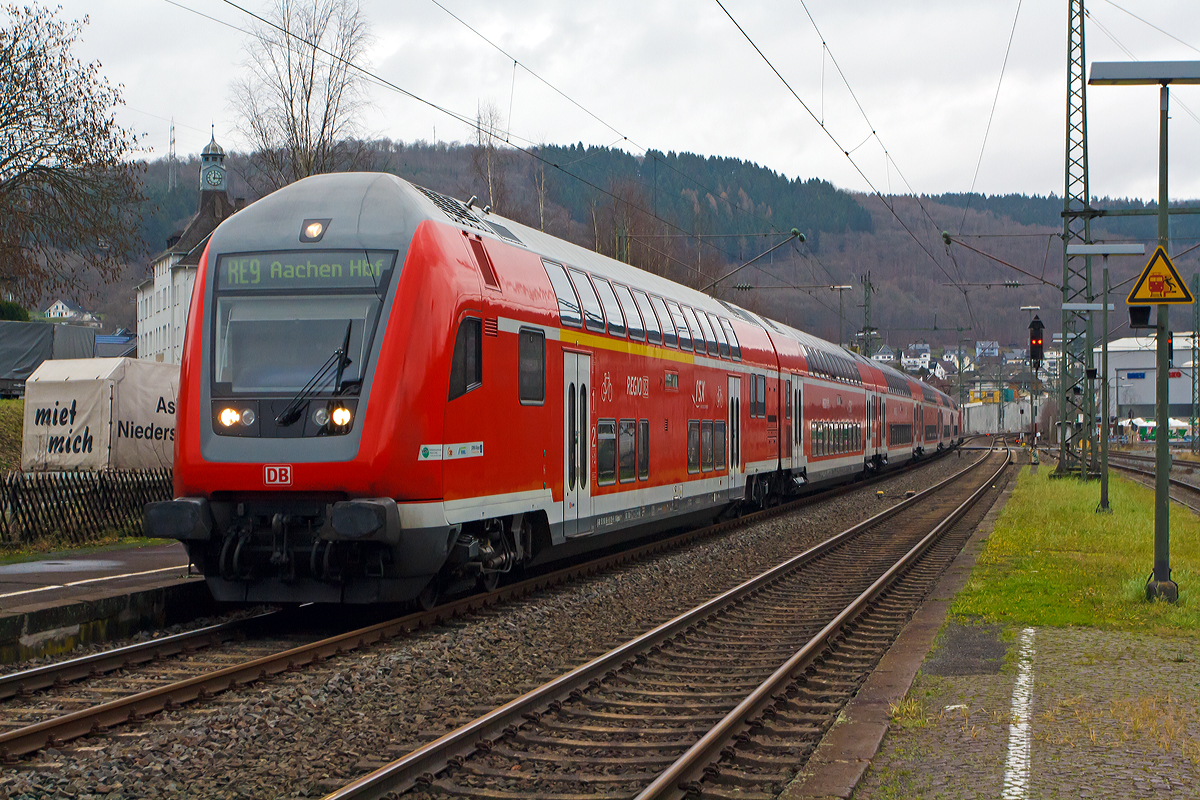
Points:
(555, 249)
(363, 197)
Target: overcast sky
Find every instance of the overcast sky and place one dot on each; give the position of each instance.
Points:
(675, 75)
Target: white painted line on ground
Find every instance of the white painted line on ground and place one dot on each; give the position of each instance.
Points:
(1016, 770)
(92, 580)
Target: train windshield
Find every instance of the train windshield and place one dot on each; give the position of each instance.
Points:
(280, 316)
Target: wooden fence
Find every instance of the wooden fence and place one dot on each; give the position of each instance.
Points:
(77, 507)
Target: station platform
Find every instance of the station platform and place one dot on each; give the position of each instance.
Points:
(1038, 713)
(56, 603)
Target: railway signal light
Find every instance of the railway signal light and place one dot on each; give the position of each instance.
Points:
(1036, 351)
(1170, 348)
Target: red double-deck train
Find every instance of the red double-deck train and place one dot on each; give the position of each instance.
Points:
(387, 393)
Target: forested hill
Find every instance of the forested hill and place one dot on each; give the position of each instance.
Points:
(693, 218)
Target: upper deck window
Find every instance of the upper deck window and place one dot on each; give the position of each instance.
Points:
(653, 331)
(664, 317)
(681, 328)
(709, 337)
(735, 349)
(697, 332)
(593, 315)
(568, 303)
(612, 309)
(722, 341)
(632, 319)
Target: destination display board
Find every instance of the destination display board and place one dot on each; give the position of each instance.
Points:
(289, 271)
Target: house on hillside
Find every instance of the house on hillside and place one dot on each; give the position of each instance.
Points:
(884, 354)
(69, 311)
(164, 298)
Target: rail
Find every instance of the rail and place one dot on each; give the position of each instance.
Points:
(422, 765)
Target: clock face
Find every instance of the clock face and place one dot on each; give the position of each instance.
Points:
(214, 177)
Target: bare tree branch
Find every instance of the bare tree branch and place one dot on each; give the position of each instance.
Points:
(300, 108)
(68, 191)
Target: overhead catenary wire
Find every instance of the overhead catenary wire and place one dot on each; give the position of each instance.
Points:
(931, 223)
(991, 115)
(456, 115)
(621, 136)
(834, 139)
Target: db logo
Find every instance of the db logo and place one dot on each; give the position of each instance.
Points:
(277, 474)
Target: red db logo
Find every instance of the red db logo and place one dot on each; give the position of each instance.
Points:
(277, 474)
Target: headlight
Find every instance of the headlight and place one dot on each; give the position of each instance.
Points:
(248, 417)
(230, 417)
(321, 416)
(341, 416)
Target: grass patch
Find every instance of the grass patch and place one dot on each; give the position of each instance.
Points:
(37, 551)
(1053, 561)
(12, 419)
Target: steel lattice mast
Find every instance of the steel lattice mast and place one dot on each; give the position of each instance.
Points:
(1075, 400)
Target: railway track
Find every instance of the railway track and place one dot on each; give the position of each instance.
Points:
(1141, 468)
(727, 699)
(171, 671)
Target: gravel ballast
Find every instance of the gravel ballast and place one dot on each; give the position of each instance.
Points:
(304, 734)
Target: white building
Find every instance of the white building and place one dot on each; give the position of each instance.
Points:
(1131, 376)
(884, 354)
(69, 311)
(163, 299)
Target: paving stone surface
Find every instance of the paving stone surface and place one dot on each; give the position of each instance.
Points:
(1114, 715)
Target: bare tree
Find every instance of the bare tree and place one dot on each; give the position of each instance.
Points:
(489, 160)
(301, 102)
(67, 187)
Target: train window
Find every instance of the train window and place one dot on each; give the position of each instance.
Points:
(709, 337)
(706, 445)
(735, 432)
(584, 441)
(693, 445)
(653, 331)
(681, 328)
(612, 309)
(699, 335)
(664, 317)
(698, 338)
(627, 449)
(632, 318)
(735, 349)
(593, 315)
(643, 449)
(753, 397)
(531, 367)
(719, 445)
(722, 343)
(568, 304)
(466, 366)
(572, 437)
(762, 395)
(606, 452)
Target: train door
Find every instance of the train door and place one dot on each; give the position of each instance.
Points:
(736, 472)
(797, 421)
(577, 439)
(785, 428)
(883, 428)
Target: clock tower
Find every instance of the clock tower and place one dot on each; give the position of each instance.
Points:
(212, 167)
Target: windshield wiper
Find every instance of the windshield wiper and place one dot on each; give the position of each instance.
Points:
(338, 360)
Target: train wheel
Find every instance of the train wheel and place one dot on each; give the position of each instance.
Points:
(490, 581)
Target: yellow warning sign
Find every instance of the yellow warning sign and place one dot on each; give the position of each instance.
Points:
(1159, 283)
